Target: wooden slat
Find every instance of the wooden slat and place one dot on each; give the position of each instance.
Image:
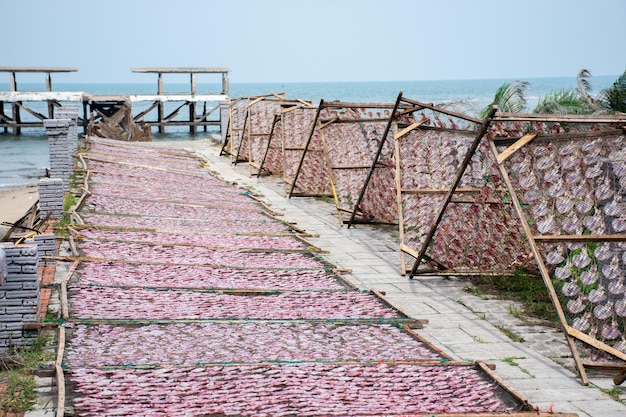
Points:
(440, 110)
(582, 238)
(570, 118)
(404, 248)
(595, 343)
(324, 123)
(515, 147)
(440, 190)
(255, 101)
(60, 377)
(409, 128)
(545, 275)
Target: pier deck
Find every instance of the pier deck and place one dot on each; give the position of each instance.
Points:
(153, 106)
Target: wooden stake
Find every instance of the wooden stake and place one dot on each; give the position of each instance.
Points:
(60, 377)
(542, 268)
(455, 183)
(375, 160)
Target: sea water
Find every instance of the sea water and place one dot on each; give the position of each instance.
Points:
(24, 159)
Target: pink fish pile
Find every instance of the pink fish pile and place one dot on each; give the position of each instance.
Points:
(143, 303)
(198, 255)
(263, 225)
(204, 277)
(306, 389)
(117, 205)
(243, 342)
(232, 314)
(213, 241)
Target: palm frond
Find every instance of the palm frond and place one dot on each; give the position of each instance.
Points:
(563, 102)
(584, 88)
(510, 97)
(466, 106)
(614, 97)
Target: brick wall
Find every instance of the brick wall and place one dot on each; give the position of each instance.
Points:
(70, 111)
(19, 295)
(51, 195)
(61, 163)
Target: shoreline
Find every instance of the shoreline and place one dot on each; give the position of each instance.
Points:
(15, 202)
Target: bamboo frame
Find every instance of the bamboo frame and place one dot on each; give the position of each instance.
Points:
(287, 107)
(570, 332)
(514, 145)
(353, 115)
(542, 268)
(306, 146)
(450, 192)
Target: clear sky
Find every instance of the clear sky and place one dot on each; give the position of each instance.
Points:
(317, 40)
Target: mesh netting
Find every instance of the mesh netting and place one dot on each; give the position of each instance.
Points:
(241, 342)
(479, 231)
(260, 121)
(312, 177)
(237, 139)
(572, 186)
(351, 147)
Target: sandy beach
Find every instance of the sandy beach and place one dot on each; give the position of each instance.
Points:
(14, 203)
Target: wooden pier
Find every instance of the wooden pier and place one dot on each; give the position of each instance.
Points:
(200, 106)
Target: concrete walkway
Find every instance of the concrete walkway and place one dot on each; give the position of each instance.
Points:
(463, 325)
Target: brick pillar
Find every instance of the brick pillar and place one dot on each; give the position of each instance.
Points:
(46, 246)
(60, 154)
(224, 112)
(70, 111)
(19, 295)
(51, 198)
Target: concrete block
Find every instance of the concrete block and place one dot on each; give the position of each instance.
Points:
(3, 266)
(22, 310)
(22, 294)
(30, 317)
(30, 285)
(10, 302)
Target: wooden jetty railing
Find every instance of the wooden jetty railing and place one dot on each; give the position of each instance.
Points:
(17, 98)
(189, 100)
(105, 104)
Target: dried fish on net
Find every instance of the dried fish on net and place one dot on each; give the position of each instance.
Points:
(288, 389)
(242, 209)
(480, 230)
(264, 225)
(141, 303)
(213, 241)
(312, 178)
(242, 342)
(237, 141)
(262, 119)
(114, 173)
(157, 192)
(124, 274)
(573, 184)
(198, 255)
(351, 147)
